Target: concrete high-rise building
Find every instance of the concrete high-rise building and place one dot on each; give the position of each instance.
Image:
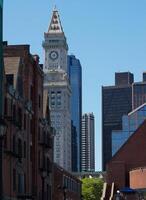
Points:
(75, 77)
(88, 143)
(56, 82)
(116, 101)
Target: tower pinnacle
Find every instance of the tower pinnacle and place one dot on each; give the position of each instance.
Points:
(55, 8)
(55, 25)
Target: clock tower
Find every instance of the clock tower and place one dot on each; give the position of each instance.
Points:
(58, 87)
(55, 45)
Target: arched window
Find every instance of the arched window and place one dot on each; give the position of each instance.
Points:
(19, 150)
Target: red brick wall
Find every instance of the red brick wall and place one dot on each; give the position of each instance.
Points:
(138, 178)
(32, 77)
(131, 155)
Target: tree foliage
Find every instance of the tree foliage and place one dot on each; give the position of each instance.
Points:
(92, 188)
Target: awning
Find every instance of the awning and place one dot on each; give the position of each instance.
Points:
(127, 190)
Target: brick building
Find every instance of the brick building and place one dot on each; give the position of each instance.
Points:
(66, 185)
(28, 144)
(127, 167)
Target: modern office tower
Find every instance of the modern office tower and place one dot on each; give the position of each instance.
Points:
(74, 147)
(116, 101)
(75, 77)
(130, 123)
(139, 92)
(57, 83)
(88, 143)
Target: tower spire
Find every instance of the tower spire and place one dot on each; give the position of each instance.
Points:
(55, 8)
(55, 24)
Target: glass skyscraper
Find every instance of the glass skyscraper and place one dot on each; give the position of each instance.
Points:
(75, 77)
(130, 123)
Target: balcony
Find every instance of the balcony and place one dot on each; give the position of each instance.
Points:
(49, 143)
(46, 141)
(17, 122)
(14, 120)
(8, 118)
(11, 91)
(49, 166)
(12, 152)
(43, 164)
(42, 139)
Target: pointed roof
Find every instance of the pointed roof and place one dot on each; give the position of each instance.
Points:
(55, 25)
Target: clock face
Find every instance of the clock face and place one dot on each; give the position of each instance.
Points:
(53, 55)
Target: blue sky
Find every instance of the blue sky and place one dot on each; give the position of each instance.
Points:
(107, 36)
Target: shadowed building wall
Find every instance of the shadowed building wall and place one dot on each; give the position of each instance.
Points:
(116, 101)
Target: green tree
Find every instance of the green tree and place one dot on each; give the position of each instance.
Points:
(92, 188)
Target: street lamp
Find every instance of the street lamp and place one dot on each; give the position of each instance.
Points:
(2, 134)
(3, 128)
(118, 195)
(43, 176)
(64, 192)
(64, 189)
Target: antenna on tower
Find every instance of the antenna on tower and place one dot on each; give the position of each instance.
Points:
(55, 8)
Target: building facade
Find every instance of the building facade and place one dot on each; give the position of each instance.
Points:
(57, 83)
(139, 92)
(130, 123)
(116, 101)
(27, 160)
(75, 77)
(1, 57)
(88, 143)
(66, 185)
(74, 147)
(127, 166)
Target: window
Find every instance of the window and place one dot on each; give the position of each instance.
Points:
(31, 126)
(6, 107)
(59, 98)
(39, 159)
(14, 112)
(39, 134)
(48, 191)
(20, 183)
(20, 117)
(19, 149)
(25, 183)
(48, 165)
(14, 179)
(20, 86)
(14, 144)
(31, 93)
(25, 121)
(24, 149)
(53, 99)
(10, 79)
(5, 141)
(30, 152)
(39, 101)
